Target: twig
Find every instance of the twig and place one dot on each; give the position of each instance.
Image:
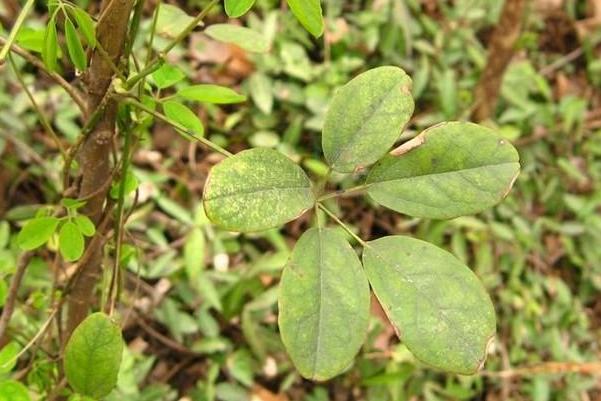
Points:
(156, 63)
(15, 283)
(38, 110)
(15, 30)
(585, 368)
(74, 93)
(341, 224)
(188, 134)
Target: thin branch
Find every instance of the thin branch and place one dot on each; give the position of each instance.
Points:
(156, 62)
(38, 110)
(188, 134)
(15, 283)
(343, 192)
(70, 89)
(15, 30)
(341, 224)
(585, 368)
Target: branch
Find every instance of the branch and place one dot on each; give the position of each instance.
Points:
(500, 52)
(11, 298)
(74, 93)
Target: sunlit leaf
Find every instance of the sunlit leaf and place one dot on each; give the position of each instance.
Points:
(323, 304)
(93, 356)
(309, 13)
(36, 232)
(366, 117)
(440, 310)
(453, 169)
(71, 242)
(237, 8)
(255, 190)
(86, 25)
(50, 50)
(211, 94)
(240, 36)
(76, 52)
(180, 114)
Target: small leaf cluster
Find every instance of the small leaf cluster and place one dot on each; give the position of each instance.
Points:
(173, 106)
(77, 25)
(308, 12)
(440, 309)
(71, 230)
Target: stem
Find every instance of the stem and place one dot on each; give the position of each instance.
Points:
(37, 109)
(193, 24)
(16, 29)
(15, 283)
(341, 193)
(125, 161)
(156, 62)
(188, 134)
(341, 224)
(74, 93)
(94, 153)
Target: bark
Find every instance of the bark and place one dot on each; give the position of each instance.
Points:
(500, 51)
(94, 154)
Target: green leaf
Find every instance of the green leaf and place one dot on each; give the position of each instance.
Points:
(167, 76)
(323, 304)
(179, 113)
(11, 390)
(439, 308)
(194, 253)
(172, 20)
(242, 37)
(36, 232)
(450, 170)
(85, 225)
(86, 25)
(76, 53)
(309, 13)
(255, 190)
(93, 356)
(237, 8)
(366, 117)
(261, 91)
(70, 242)
(211, 94)
(50, 50)
(8, 358)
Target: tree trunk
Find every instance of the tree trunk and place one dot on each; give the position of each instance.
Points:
(500, 52)
(94, 154)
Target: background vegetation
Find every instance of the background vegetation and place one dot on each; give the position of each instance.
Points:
(199, 308)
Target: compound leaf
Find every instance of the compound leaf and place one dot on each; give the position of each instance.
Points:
(208, 93)
(237, 8)
(240, 36)
(309, 13)
(180, 114)
(323, 304)
(93, 356)
(365, 118)
(36, 232)
(437, 304)
(453, 169)
(255, 190)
